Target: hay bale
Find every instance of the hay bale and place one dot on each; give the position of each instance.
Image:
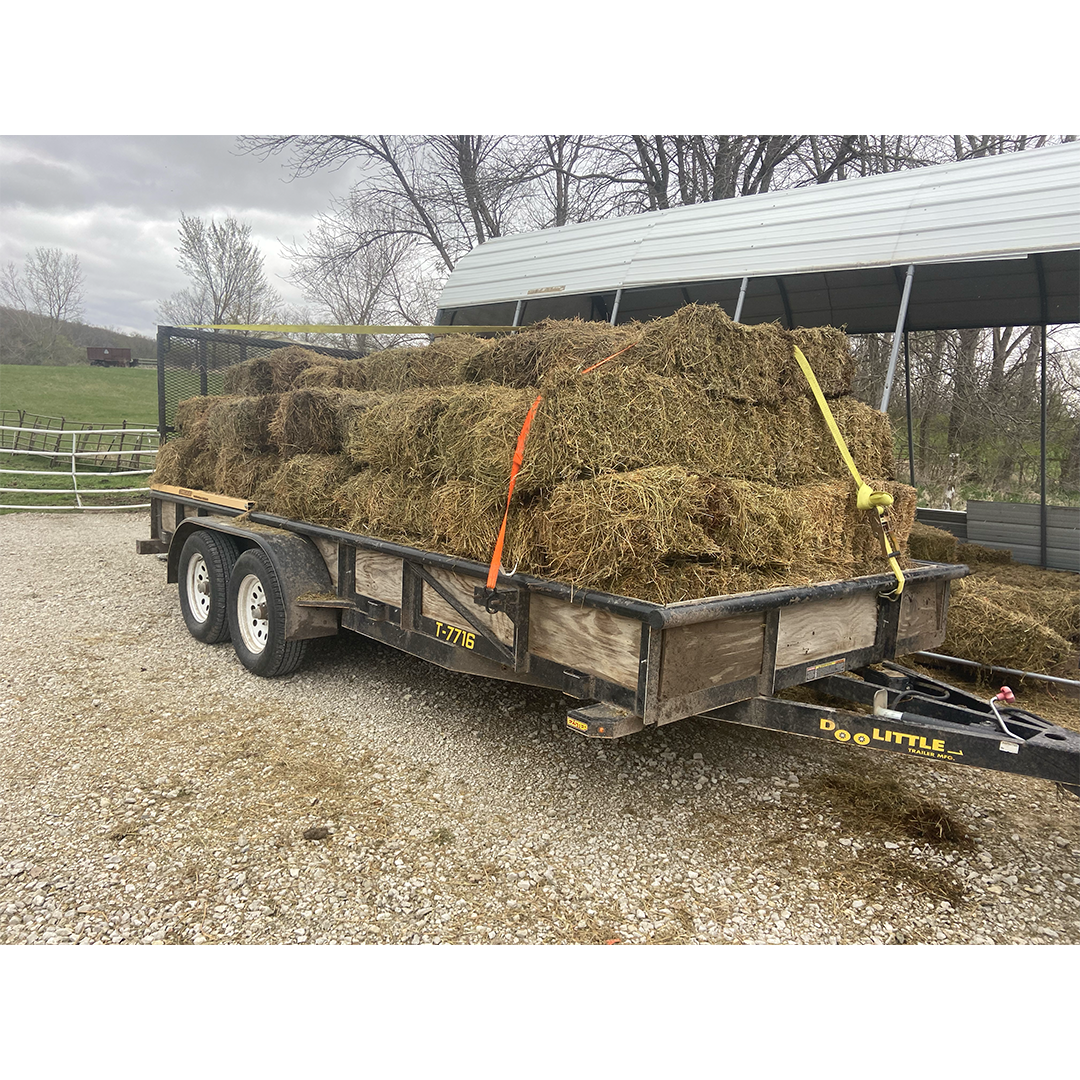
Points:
(245, 475)
(829, 354)
(595, 530)
(759, 526)
(527, 356)
(273, 372)
(408, 368)
(932, 545)
(332, 374)
(305, 488)
(467, 522)
(387, 504)
(398, 433)
(745, 363)
(977, 555)
(187, 462)
(861, 537)
(192, 415)
(242, 423)
(315, 420)
(982, 628)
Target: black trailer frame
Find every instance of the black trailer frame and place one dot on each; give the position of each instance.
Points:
(633, 664)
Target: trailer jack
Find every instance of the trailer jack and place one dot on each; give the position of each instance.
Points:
(921, 717)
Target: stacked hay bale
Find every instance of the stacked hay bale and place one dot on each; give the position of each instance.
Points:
(693, 463)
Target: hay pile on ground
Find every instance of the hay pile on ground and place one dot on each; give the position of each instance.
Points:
(694, 463)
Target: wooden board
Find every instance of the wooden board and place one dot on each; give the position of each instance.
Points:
(586, 639)
(378, 576)
(812, 630)
(922, 617)
(711, 653)
(461, 588)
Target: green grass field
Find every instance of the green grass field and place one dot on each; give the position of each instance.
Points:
(82, 394)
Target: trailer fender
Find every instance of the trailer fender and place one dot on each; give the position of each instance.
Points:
(301, 572)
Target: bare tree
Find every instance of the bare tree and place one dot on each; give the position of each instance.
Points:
(50, 286)
(356, 270)
(228, 281)
(451, 192)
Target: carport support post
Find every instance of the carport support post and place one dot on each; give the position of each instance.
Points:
(742, 297)
(900, 320)
(1042, 451)
(910, 437)
(615, 306)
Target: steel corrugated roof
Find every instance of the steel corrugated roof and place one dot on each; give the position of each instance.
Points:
(997, 208)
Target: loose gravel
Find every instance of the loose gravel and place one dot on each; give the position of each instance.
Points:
(153, 792)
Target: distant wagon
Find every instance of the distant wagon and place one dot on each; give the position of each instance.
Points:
(99, 357)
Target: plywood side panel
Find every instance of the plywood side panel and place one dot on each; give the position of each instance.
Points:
(812, 630)
(586, 639)
(709, 654)
(922, 614)
(378, 576)
(461, 588)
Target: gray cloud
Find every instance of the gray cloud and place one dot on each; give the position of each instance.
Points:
(115, 202)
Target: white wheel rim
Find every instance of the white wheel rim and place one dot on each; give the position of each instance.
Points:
(198, 588)
(251, 614)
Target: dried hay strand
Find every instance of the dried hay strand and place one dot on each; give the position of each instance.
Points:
(595, 530)
(932, 545)
(244, 475)
(527, 356)
(305, 487)
(465, 520)
(981, 628)
(883, 806)
(274, 372)
(387, 505)
(168, 463)
(1055, 602)
(242, 423)
(314, 421)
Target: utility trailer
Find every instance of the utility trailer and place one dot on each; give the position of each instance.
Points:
(271, 585)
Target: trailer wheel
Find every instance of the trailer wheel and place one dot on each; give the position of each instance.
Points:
(257, 618)
(206, 559)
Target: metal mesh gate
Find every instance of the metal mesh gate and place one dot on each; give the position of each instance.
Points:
(192, 363)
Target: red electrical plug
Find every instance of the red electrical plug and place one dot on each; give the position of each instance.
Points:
(1005, 695)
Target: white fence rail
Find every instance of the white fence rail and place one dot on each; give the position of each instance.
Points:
(82, 484)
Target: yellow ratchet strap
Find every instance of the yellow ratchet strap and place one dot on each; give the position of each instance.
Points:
(867, 498)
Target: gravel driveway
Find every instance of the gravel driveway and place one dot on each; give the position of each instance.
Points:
(154, 792)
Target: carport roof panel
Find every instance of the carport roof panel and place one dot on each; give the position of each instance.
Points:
(997, 208)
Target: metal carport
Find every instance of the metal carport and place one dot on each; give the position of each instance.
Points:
(989, 242)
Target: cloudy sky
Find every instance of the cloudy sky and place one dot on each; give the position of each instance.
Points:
(115, 201)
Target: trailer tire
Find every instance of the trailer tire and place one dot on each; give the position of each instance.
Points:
(257, 618)
(206, 561)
